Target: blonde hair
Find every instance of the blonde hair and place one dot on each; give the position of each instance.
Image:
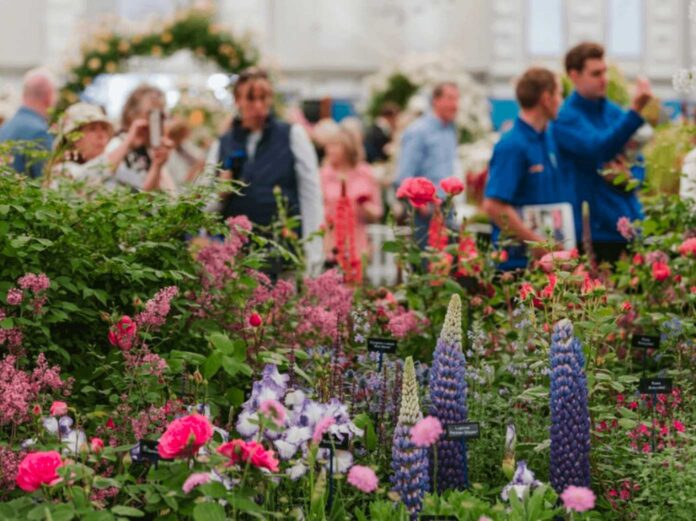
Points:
(135, 102)
(350, 144)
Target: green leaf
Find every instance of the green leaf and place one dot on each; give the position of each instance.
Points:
(212, 364)
(62, 512)
(232, 366)
(122, 510)
(209, 512)
(98, 516)
(627, 423)
(7, 323)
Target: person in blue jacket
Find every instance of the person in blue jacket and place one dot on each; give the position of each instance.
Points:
(592, 132)
(525, 169)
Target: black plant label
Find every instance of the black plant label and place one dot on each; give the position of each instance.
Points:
(465, 431)
(146, 452)
(428, 517)
(655, 385)
(381, 345)
(645, 341)
(337, 443)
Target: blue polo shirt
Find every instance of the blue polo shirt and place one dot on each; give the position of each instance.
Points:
(27, 125)
(589, 133)
(525, 170)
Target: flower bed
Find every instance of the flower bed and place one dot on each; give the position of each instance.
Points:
(145, 374)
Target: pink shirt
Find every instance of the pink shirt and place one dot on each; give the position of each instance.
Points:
(364, 193)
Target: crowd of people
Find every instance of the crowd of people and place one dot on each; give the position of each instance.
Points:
(556, 156)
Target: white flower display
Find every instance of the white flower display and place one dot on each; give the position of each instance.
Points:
(428, 69)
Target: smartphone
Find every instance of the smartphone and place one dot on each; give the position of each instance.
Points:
(155, 124)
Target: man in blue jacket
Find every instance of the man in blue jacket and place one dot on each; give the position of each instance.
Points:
(592, 132)
(524, 169)
(30, 122)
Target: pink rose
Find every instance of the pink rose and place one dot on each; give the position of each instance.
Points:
(38, 468)
(418, 190)
(97, 445)
(452, 185)
(184, 436)
(660, 271)
(59, 409)
(688, 247)
(240, 451)
(123, 333)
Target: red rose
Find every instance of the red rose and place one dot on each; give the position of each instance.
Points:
(123, 333)
(38, 468)
(59, 409)
(526, 289)
(184, 436)
(452, 185)
(637, 259)
(418, 190)
(255, 320)
(660, 271)
(626, 306)
(688, 247)
(240, 451)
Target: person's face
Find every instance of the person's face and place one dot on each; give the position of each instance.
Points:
(335, 153)
(254, 100)
(592, 81)
(95, 137)
(446, 105)
(551, 101)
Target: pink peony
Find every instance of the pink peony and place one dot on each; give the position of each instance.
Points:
(123, 334)
(59, 409)
(625, 228)
(321, 427)
(660, 271)
(184, 436)
(38, 468)
(274, 410)
(452, 185)
(195, 479)
(426, 432)
(363, 478)
(240, 451)
(97, 445)
(420, 191)
(688, 247)
(579, 499)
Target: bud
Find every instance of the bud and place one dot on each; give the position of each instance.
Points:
(97, 445)
(255, 320)
(198, 377)
(105, 316)
(36, 410)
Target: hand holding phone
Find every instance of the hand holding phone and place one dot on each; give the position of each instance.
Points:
(155, 124)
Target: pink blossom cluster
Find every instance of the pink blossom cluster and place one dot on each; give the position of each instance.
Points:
(9, 463)
(20, 390)
(13, 337)
(624, 492)
(403, 323)
(35, 283)
(157, 308)
(151, 363)
(15, 296)
(151, 421)
(327, 304)
(625, 227)
(218, 258)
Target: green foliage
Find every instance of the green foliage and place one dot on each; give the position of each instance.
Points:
(664, 156)
(399, 90)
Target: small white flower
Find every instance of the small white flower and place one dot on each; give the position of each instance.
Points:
(297, 471)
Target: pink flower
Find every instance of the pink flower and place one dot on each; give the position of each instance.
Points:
(38, 468)
(97, 445)
(426, 432)
(452, 185)
(526, 289)
(678, 426)
(579, 499)
(625, 228)
(255, 320)
(321, 428)
(123, 334)
(15, 296)
(638, 259)
(33, 282)
(240, 451)
(688, 247)
(195, 479)
(274, 410)
(363, 478)
(157, 308)
(59, 409)
(184, 436)
(36, 410)
(626, 306)
(547, 292)
(660, 271)
(420, 191)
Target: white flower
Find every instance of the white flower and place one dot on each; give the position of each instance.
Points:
(75, 441)
(297, 471)
(247, 424)
(297, 435)
(286, 450)
(50, 423)
(295, 398)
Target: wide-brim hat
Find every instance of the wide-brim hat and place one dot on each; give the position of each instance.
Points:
(80, 114)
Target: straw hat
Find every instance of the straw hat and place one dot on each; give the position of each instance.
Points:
(81, 114)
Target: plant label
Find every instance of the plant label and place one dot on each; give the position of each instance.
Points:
(329, 441)
(381, 345)
(146, 452)
(463, 431)
(428, 517)
(645, 342)
(655, 385)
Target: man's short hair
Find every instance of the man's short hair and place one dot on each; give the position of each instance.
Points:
(576, 57)
(439, 89)
(251, 75)
(533, 83)
(389, 109)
